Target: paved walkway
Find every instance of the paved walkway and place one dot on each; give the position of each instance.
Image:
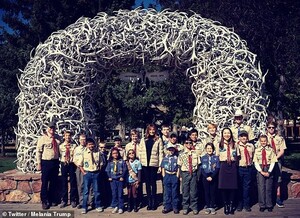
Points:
(292, 209)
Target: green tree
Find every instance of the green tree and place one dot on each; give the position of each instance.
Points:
(271, 29)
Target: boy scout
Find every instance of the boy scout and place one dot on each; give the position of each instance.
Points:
(170, 173)
(212, 137)
(47, 154)
(188, 161)
(264, 160)
(277, 143)
(79, 176)
(68, 168)
(245, 170)
(90, 164)
(239, 125)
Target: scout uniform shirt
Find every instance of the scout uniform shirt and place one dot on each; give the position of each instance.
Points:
(169, 163)
(129, 146)
(210, 139)
(236, 129)
(210, 164)
(188, 160)
(246, 156)
(223, 152)
(78, 151)
(46, 150)
(66, 151)
(278, 141)
(90, 160)
(258, 158)
(116, 169)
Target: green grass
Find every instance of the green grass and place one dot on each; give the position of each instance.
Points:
(7, 163)
(292, 161)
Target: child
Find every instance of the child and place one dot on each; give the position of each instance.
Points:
(68, 168)
(116, 171)
(134, 178)
(170, 174)
(264, 160)
(277, 142)
(188, 162)
(245, 170)
(118, 145)
(210, 166)
(90, 165)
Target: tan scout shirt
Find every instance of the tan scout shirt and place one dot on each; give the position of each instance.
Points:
(199, 148)
(78, 152)
(183, 160)
(215, 140)
(44, 149)
(63, 149)
(222, 153)
(271, 157)
(279, 142)
(250, 148)
(130, 146)
(87, 163)
(235, 130)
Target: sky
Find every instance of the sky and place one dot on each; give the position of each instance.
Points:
(137, 3)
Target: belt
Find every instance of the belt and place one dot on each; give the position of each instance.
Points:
(171, 173)
(245, 166)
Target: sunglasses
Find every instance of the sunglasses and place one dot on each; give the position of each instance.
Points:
(271, 127)
(131, 153)
(188, 142)
(101, 147)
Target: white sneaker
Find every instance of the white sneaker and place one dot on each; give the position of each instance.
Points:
(99, 209)
(120, 211)
(83, 211)
(115, 210)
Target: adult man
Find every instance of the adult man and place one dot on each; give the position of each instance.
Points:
(78, 151)
(47, 154)
(238, 126)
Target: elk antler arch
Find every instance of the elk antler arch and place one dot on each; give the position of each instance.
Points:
(58, 80)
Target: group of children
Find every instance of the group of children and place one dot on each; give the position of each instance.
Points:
(222, 164)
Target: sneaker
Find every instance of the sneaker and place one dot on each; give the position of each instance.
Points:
(270, 209)
(83, 211)
(53, 204)
(73, 204)
(185, 212)
(120, 211)
(195, 212)
(99, 209)
(164, 211)
(239, 209)
(279, 203)
(115, 210)
(79, 206)
(110, 207)
(207, 211)
(213, 211)
(63, 204)
(176, 211)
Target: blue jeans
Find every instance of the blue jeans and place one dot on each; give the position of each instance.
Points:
(171, 183)
(245, 179)
(117, 194)
(88, 179)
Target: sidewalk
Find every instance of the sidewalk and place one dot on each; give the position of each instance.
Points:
(292, 209)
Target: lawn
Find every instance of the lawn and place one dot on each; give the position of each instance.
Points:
(7, 163)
